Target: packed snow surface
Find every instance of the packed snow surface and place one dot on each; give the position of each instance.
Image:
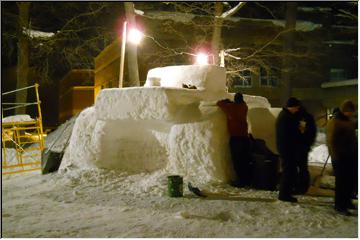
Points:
(17, 118)
(105, 203)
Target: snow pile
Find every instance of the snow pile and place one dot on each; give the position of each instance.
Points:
(18, 118)
(9, 155)
(81, 146)
(320, 137)
(319, 154)
(164, 129)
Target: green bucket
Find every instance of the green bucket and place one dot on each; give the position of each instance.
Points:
(175, 186)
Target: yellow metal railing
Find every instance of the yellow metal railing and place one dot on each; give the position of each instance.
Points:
(22, 141)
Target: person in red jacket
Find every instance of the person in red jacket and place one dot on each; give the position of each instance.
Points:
(236, 114)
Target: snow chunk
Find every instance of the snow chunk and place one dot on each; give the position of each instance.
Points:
(315, 9)
(138, 12)
(174, 16)
(204, 77)
(139, 103)
(37, 34)
(304, 26)
(18, 118)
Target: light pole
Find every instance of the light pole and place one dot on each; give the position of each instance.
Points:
(134, 37)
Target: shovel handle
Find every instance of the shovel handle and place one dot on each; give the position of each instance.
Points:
(323, 169)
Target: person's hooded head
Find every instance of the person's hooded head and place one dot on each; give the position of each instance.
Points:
(238, 98)
(347, 108)
(293, 105)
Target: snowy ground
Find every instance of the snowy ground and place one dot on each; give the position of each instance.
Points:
(98, 203)
(84, 200)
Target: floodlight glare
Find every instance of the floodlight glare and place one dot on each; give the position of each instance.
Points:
(135, 36)
(202, 59)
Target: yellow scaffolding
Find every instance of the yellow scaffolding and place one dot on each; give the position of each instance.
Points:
(22, 141)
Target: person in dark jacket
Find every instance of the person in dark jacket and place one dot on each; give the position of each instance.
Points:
(236, 114)
(307, 127)
(342, 145)
(288, 140)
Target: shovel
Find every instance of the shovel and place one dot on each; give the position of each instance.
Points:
(317, 179)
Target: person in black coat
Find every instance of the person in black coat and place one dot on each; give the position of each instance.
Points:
(307, 127)
(288, 139)
(342, 144)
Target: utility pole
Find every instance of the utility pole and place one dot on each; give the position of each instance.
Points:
(288, 47)
(131, 49)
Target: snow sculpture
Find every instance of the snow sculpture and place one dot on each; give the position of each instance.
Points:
(204, 77)
(169, 128)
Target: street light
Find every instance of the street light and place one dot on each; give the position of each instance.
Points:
(202, 59)
(134, 37)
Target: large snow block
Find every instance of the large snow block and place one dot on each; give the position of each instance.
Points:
(139, 103)
(262, 125)
(204, 77)
(131, 146)
(200, 150)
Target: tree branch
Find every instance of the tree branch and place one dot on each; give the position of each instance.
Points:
(232, 11)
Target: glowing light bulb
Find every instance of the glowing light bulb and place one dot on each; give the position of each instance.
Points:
(135, 36)
(202, 59)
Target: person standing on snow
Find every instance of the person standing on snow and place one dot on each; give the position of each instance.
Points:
(236, 114)
(307, 127)
(288, 141)
(342, 144)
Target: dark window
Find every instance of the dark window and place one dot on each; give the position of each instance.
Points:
(337, 74)
(269, 77)
(242, 80)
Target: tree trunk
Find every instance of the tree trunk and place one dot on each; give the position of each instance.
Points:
(216, 37)
(23, 55)
(131, 49)
(288, 47)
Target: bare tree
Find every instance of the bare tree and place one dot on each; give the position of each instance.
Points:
(216, 37)
(208, 20)
(23, 55)
(286, 83)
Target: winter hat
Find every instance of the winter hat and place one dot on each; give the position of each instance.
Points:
(293, 102)
(238, 98)
(347, 106)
